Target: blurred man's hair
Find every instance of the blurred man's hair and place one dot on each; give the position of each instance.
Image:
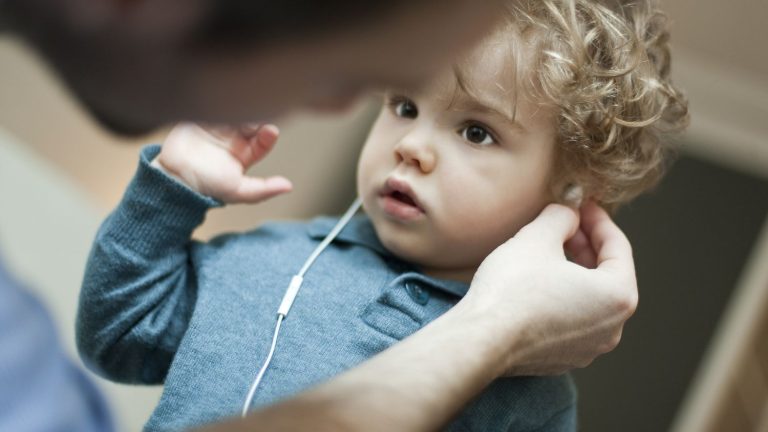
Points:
(256, 21)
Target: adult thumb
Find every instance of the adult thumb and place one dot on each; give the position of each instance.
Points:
(553, 226)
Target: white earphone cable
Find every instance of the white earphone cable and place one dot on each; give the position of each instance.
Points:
(332, 235)
(290, 296)
(263, 369)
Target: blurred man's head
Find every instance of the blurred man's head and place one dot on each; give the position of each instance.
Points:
(137, 64)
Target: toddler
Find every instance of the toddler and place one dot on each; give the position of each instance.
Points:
(564, 96)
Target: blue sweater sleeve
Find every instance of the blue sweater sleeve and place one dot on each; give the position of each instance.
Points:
(563, 421)
(139, 287)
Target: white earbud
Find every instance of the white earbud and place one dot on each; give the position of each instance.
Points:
(573, 195)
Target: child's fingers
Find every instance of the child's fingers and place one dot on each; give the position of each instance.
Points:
(255, 189)
(248, 143)
(262, 142)
(248, 130)
(221, 135)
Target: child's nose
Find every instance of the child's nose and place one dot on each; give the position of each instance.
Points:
(416, 151)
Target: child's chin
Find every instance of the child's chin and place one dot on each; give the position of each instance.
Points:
(404, 245)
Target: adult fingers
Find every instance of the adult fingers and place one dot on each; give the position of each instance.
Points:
(608, 241)
(614, 257)
(552, 227)
(580, 250)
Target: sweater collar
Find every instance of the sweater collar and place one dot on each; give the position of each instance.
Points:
(360, 231)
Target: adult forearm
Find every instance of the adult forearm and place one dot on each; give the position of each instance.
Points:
(417, 385)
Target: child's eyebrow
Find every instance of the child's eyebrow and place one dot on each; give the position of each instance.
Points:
(472, 103)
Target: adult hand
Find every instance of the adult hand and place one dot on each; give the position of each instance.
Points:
(214, 161)
(553, 314)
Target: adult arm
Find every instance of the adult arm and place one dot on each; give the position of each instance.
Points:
(544, 315)
(41, 389)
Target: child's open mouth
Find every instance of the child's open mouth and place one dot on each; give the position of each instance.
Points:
(399, 201)
(399, 196)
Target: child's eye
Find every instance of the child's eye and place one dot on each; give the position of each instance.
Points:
(477, 135)
(404, 107)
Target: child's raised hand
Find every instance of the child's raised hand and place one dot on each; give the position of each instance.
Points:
(214, 161)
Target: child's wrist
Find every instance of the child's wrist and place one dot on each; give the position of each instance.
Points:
(157, 164)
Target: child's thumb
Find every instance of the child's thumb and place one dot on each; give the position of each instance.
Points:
(255, 189)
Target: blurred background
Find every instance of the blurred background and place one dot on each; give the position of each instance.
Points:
(695, 356)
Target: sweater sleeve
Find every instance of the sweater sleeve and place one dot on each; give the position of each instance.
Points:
(562, 421)
(140, 286)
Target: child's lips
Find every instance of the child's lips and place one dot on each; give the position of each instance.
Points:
(400, 201)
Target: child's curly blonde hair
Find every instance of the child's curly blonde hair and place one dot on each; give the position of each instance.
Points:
(604, 65)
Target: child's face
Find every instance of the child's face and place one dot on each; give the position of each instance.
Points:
(446, 177)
